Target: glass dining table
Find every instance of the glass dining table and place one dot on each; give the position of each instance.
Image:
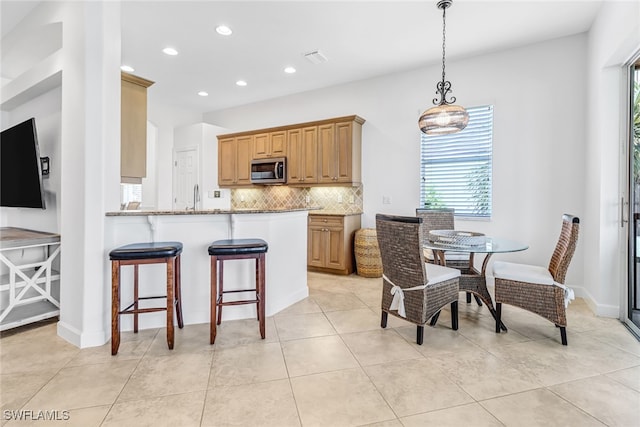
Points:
(472, 280)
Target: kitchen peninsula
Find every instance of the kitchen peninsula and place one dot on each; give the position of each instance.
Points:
(284, 229)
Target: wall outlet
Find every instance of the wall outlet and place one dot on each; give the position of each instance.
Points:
(308, 199)
(386, 200)
(352, 199)
(339, 198)
(216, 194)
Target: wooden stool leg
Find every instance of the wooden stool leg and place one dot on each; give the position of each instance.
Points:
(115, 307)
(213, 299)
(220, 290)
(170, 301)
(258, 292)
(262, 297)
(178, 292)
(135, 298)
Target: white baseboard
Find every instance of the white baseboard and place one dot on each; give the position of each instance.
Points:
(601, 310)
(79, 339)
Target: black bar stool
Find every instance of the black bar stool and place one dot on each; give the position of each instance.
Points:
(226, 250)
(145, 253)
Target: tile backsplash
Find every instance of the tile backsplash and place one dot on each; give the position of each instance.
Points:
(340, 200)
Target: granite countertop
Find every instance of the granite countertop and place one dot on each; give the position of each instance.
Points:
(333, 213)
(210, 211)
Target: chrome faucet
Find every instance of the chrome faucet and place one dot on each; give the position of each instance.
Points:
(196, 196)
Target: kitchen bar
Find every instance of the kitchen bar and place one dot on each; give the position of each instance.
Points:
(285, 230)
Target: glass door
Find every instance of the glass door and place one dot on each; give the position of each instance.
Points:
(633, 308)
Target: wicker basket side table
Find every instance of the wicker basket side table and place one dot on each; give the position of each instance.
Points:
(367, 252)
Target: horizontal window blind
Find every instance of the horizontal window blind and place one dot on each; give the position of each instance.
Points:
(456, 169)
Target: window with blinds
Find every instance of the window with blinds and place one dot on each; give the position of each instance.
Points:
(456, 169)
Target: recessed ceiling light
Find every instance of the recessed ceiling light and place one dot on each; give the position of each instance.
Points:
(223, 30)
(289, 70)
(170, 51)
(203, 93)
(127, 68)
(241, 83)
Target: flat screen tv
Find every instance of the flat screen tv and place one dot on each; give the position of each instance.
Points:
(20, 170)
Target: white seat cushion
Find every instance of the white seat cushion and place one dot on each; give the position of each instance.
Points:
(437, 273)
(529, 274)
(454, 256)
(522, 273)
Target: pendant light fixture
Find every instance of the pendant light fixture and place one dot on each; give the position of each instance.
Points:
(445, 117)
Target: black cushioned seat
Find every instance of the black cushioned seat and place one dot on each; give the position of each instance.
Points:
(238, 247)
(146, 250)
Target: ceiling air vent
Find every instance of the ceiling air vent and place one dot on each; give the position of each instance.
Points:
(315, 57)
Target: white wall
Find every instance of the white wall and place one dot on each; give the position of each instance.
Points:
(613, 39)
(150, 182)
(90, 162)
(539, 94)
(165, 119)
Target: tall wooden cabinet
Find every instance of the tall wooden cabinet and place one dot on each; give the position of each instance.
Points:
(133, 127)
(330, 243)
(339, 152)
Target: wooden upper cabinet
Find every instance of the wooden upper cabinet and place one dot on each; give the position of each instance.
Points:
(243, 160)
(133, 127)
(295, 149)
(260, 145)
(278, 144)
(326, 153)
(234, 161)
(310, 155)
(302, 163)
(227, 161)
(348, 148)
(340, 151)
(272, 144)
(322, 152)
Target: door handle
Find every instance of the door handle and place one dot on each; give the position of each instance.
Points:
(622, 205)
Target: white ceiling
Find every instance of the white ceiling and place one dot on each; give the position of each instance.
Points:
(361, 39)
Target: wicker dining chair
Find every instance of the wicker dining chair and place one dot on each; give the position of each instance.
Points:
(412, 289)
(443, 219)
(538, 289)
(440, 219)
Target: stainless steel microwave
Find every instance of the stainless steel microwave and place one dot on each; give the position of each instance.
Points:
(269, 171)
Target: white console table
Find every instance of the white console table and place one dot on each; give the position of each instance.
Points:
(29, 284)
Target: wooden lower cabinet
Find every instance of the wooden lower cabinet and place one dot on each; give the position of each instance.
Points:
(330, 243)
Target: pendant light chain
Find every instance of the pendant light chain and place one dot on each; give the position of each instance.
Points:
(444, 36)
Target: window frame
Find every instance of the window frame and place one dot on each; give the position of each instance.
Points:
(465, 151)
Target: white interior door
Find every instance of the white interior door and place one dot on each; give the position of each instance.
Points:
(186, 188)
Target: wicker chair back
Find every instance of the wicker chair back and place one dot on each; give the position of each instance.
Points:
(434, 219)
(401, 250)
(565, 248)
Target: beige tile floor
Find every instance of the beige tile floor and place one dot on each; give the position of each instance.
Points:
(327, 362)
